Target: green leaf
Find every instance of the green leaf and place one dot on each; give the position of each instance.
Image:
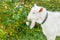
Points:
(1, 1)
(15, 0)
(16, 16)
(8, 0)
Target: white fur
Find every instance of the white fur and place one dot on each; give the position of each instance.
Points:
(51, 27)
(27, 23)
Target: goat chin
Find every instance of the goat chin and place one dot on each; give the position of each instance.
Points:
(27, 23)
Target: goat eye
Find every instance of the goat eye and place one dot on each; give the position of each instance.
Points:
(33, 12)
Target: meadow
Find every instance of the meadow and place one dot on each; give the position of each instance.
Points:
(13, 14)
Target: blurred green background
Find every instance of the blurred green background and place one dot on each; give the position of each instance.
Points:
(13, 14)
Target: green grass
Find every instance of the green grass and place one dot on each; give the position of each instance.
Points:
(57, 38)
(12, 19)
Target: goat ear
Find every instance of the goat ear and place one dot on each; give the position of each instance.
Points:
(41, 9)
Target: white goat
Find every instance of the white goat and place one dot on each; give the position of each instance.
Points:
(50, 21)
